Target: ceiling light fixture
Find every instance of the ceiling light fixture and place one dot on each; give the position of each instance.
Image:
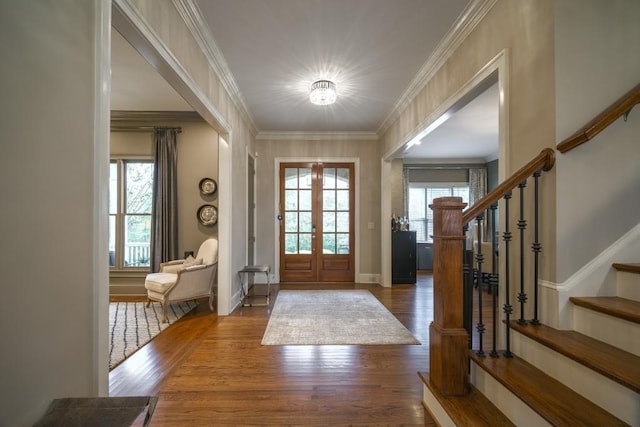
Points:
(323, 92)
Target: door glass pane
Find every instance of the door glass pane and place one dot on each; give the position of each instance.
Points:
(343, 243)
(305, 200)
(329, 175)
(342, 203)
(291, 200)
(137, 236)
(329, 243)
(343, 178)
(291, 243)
(305, 243)
(328, 222)
(305, 178)
(342, 222)
(304, 225)
(328, 200)
(290, 178)
(291, 222)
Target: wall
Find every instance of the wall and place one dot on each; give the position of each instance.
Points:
(197, 151)
(368, 254)
(161, 21)
(50, 275)
(525, 29)
(597, 61)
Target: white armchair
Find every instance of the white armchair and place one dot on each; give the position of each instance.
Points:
(181, 280)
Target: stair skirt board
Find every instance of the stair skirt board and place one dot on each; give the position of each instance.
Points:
(515, 409)
(435, 409)
(600, 326)
(609, 395)
(628, 285)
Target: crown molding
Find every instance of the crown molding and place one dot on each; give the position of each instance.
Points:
(459, 31)
(192, 16)
(317, 136)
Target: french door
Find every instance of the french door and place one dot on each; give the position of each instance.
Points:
(316, 222)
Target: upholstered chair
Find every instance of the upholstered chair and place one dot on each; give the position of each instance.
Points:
(185, 279)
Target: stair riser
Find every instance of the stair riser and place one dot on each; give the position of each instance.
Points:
(435, 409)
(628, 285)
(515, 409)
(607, 394)
(618, 332)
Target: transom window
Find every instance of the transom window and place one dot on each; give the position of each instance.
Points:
(421, 195)
(130, 203)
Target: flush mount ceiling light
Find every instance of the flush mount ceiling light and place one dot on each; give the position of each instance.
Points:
(323, 92)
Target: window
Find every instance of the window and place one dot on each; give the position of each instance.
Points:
(421, 196)
(130, 201)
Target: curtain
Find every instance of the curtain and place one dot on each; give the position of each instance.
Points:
(477, 184)
(477, 190)
(164, 214)
(405, 191)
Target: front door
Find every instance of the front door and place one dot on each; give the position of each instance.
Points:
(316, 222)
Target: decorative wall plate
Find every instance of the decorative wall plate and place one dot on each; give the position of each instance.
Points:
(208, 215)
(208, 186)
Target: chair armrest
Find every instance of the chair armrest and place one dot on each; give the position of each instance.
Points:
(175, 261)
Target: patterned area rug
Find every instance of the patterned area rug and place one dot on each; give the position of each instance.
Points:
(333, 317)
(132, 325)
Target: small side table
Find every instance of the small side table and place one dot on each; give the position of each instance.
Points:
(245, 274)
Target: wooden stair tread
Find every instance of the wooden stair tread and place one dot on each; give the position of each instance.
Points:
(629, 267)
(551, 399)
(618, 365)
(614, 306)
(473, 409)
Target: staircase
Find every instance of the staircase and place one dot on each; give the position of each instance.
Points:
(589, 376)
(588, 373)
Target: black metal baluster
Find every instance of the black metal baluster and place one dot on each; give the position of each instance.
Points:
(467, 292)
(537, 247)
(479, 260)
(493, 279)
(508, 308)
(522, 225)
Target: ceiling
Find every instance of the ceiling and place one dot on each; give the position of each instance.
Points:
(374, 50)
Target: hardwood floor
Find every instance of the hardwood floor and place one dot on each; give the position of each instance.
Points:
(210, 370)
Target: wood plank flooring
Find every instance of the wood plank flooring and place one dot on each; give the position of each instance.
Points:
(210, 370)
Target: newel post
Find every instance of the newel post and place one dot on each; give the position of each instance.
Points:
(448, 341)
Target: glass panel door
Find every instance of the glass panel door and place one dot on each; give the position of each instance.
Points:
(316, 222)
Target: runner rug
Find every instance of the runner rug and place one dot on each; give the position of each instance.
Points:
(132, 325)
(333, 317)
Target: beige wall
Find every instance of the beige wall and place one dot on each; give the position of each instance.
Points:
(598, 60)
(197, 152)
(208, 96)
(369, 194)
(524, 28)
(51, 275)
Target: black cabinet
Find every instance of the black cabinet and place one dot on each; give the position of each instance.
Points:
(403, 257)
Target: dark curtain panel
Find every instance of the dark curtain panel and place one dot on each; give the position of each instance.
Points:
(164, 218)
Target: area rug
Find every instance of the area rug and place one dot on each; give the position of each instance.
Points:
(333, 318)
(132, 325)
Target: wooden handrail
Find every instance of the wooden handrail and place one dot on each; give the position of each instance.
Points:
(602, 121)
(543, 161)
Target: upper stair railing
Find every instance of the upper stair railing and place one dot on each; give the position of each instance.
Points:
(621, 107)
